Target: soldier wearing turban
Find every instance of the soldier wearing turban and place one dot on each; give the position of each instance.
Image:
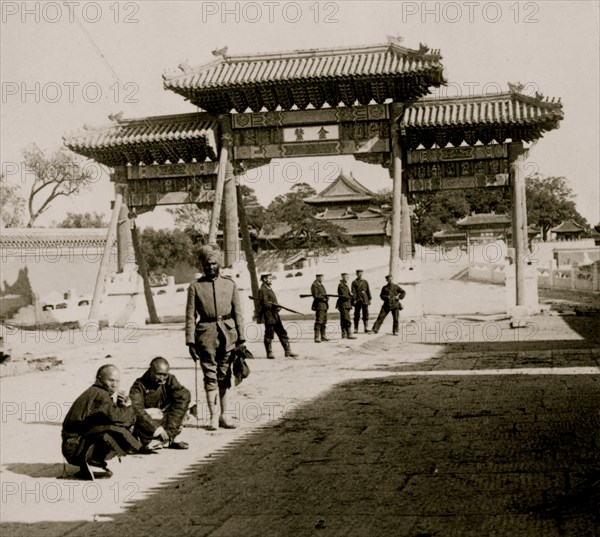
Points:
(214, 327)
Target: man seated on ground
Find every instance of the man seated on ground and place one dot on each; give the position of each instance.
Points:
(160, 403)
(98, 428)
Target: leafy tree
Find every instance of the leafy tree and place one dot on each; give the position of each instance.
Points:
(60, 174)
(191, 219)
(550, 202)
(12, 205)
(83, 220)
(306, 232)
(431, 211)
(195, 221)
(488, 200)
(434, 211)
(163, 249)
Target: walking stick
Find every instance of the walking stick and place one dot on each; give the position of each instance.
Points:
(197, 402)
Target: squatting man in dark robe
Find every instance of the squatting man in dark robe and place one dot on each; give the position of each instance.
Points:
(213, 329)
(99, 425)
(160, 403)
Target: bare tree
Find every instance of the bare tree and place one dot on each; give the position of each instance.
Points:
(60, 174)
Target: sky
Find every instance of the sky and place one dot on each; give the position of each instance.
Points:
(64, 65)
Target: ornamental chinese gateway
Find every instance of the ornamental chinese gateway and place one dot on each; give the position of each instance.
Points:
(370, 102)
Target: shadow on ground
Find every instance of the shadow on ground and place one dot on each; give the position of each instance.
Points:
(414, 456)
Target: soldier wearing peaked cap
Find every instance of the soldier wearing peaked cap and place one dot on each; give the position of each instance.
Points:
(362, 299)
(344, 305)
(391, 294)
(269, 310)
(320, 306)
(214, 327)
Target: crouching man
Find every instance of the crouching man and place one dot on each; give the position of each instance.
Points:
(160, 404)
(99, 425)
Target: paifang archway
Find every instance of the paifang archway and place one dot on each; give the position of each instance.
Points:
(369, 102)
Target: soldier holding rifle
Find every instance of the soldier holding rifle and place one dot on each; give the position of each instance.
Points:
(320, 306)
(344, 305)
(269, 311)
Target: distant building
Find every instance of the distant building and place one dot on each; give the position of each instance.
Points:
(346, 203)
(480, 228)
(568, 231)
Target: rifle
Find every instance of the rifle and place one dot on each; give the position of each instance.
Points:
(280, 306)
(332, 296)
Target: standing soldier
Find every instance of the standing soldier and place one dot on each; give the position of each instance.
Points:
(213, 328)
(391, 294)
(362, 300)
(344, 305)
(320, 306)
(269, 311)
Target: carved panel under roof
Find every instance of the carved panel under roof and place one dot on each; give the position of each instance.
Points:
(317, 76)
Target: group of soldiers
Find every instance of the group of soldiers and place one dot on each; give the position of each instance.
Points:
(357, 297)
(104, 423)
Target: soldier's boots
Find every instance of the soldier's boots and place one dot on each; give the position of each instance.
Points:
(317, 336)
(269, 349)
(367, 331)
(355, 327)
(323, 335)
(224, 422)
(349, 334)
(288, 349)
(344, 333)
(211, 400)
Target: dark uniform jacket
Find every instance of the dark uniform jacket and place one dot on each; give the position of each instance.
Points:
(266, 300)
(145, 393)
(345, 300)
(392, 294)
(320, 300)
(95, 414)
(213, 306)
(361, 291)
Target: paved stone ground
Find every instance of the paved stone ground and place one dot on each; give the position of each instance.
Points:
(458, 427)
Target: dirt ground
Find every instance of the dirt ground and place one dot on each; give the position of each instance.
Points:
(458, 426)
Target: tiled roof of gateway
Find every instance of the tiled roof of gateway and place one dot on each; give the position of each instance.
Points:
(175, 138)
(480, 118)
(19, 238)
(315, 76)
(484, 218)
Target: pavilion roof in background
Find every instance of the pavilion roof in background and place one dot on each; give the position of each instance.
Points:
(344, 189)
(480, 118)
(157, 139)
(568, 227)
(484, 219)
(316, 76)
